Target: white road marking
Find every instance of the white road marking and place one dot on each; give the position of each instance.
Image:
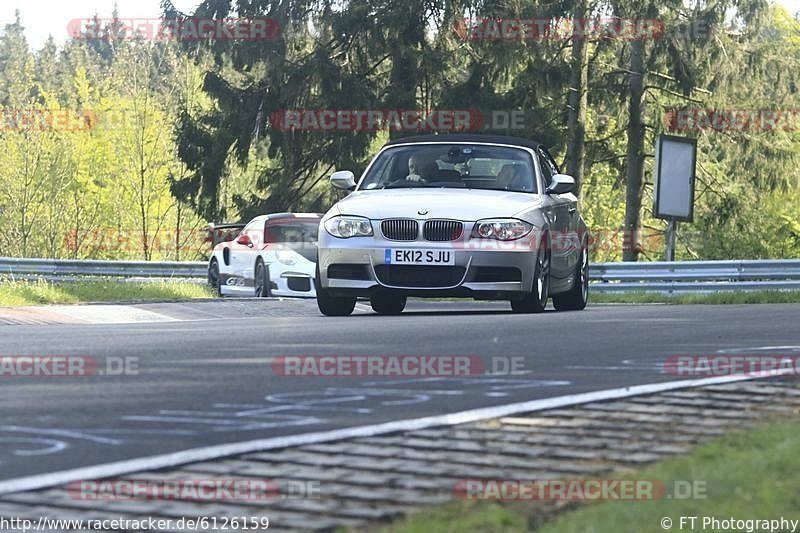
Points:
(208, 453)
(55, 446)
(792, 349)
(241, 361)
(110, 314)
(629, 320)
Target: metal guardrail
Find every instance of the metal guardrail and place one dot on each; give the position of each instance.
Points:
(69, 270)
(684, 276)
(696, 276)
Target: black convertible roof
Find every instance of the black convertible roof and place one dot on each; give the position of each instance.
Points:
(467, 138)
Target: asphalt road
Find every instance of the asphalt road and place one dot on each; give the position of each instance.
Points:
(209, 379)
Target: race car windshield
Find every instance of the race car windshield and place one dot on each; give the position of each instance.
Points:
(292, 232)
(300, 237)
(455, 166)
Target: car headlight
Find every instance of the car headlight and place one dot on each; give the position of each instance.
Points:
(502, 229)
(345, 227)
(287, 257)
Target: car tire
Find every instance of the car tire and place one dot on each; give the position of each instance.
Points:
(387, 304)
(214, 280)
(332, 305)
(262, 288)
(536, 300)
(577, 297)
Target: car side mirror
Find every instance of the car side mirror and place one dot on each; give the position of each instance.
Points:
(344, 179)
(244, 240)
(561, 184)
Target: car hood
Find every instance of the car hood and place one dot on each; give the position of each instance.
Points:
(456, 204)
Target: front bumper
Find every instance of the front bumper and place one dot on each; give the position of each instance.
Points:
(483, 269)
(294, 288)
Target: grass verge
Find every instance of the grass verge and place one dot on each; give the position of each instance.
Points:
(741, 297)
(16, 293)
(745, 476)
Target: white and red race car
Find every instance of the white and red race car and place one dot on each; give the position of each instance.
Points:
(274, 255)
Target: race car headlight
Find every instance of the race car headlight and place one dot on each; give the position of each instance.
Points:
(501, 229)
(345, 227)
(287, 257)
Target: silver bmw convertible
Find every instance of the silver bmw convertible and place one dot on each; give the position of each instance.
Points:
(474, 216)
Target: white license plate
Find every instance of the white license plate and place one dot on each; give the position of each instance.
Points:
(402, 256)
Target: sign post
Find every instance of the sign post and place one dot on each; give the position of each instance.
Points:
(673, 196)
(672, 230)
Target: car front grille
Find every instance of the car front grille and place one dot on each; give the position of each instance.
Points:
(400, 229)
(406, 229)
(442, 230)
(419, 276)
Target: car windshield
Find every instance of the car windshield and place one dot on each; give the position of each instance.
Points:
(299, 236)
(292, 232)
(452, 166)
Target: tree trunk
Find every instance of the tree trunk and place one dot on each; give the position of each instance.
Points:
(578, 96)
(406, 71)
(634, 161)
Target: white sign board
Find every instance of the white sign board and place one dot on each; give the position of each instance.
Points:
(674, 177)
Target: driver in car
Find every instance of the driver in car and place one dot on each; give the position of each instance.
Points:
(415, 168)
(418, 168)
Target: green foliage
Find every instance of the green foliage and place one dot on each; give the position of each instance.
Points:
(756, 486)
(17, 293)
(87, 151)
(715, 298)
(182, 133)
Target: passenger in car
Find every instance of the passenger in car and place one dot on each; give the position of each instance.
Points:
(512, 178)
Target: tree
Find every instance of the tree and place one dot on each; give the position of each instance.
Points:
(578, 101)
